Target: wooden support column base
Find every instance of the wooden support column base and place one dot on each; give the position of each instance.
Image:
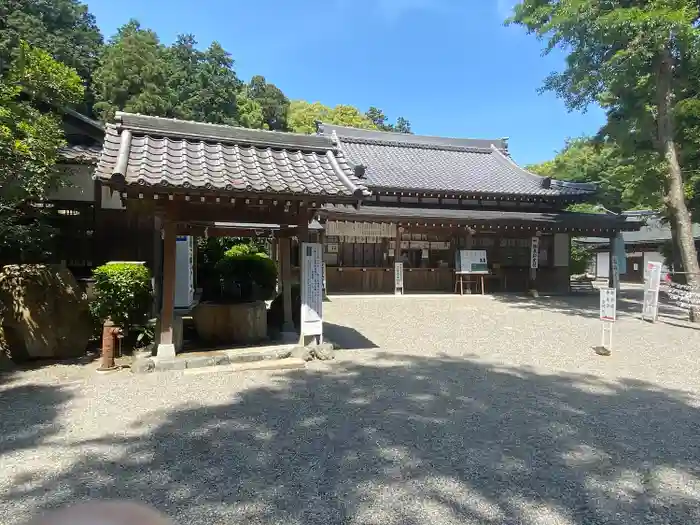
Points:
(165, 351)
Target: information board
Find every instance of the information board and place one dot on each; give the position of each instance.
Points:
(652, 284)
(535, 253)
(311, 289)
(608, 304)
(398, 278)
(472, 261)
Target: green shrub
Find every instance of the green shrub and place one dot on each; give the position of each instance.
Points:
(580, 258)
(122, 292)
(245, 274)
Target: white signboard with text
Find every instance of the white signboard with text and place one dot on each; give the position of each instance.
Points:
(652, 284)
(608, 304)
(311, 289)
(472, 261)
(398, 278)
(535, 253)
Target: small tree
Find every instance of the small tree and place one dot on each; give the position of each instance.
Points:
(122, 293)
(30, 136)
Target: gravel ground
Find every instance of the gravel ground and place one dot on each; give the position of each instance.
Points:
(438, 411)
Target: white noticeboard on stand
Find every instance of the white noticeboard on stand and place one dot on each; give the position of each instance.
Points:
(311, 290)
(608, 315)
(398, 278)
(472, 261)
(650, 307)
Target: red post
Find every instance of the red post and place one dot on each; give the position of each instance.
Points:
(109, 341)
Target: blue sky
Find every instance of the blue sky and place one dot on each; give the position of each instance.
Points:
(448, 66)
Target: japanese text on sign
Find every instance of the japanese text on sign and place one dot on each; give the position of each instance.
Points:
(608, 304)
(535, 253)
(311, 289)
(398, 277)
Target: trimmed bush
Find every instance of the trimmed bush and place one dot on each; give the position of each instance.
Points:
(245, 274)
(122, 292)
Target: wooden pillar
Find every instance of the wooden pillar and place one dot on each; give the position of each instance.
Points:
(285, 254)
(275, 256)
(166, 348)
(611, 278)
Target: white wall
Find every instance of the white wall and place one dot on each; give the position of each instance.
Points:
(603, 265)
(82, 189)
(111, 200)
(561, 249)
(82, 186)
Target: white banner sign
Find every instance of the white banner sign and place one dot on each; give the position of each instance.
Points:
(312, 277)
(398, 278)
(608, 304)
(535, 253)
(652, 284)
(683, 296)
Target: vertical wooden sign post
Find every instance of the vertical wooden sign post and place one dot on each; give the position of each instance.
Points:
(398, 278)
(608, 315)
(534, 264)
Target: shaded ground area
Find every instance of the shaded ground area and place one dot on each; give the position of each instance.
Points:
(465, 411)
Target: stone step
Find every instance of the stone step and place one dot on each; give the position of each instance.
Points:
(289, 363)
(232, 356)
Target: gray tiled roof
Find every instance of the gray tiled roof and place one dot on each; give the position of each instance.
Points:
(462, 216)
(79, 154)
(403, 161)
(167, 153)
(654, 231)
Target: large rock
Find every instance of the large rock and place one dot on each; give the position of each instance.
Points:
(43, 313)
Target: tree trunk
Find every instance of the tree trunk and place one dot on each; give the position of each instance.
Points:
(675, 197)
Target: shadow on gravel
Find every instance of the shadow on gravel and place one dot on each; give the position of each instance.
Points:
(27, 414)
(408, 441)
(346, 338)
(629, 304)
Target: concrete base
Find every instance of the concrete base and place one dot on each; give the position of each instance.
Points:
(165, 351)
(225, 357)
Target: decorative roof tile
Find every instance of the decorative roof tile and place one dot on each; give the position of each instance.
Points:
(422, 163)
(157, 152)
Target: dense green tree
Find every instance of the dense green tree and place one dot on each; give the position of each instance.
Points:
(303, 116)
(30, 136)
(212, 94)
(380, 120)
(141, 75)
(65, 29)
(274, 104)
(625, 181)
(635, 58)
(133, 75)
